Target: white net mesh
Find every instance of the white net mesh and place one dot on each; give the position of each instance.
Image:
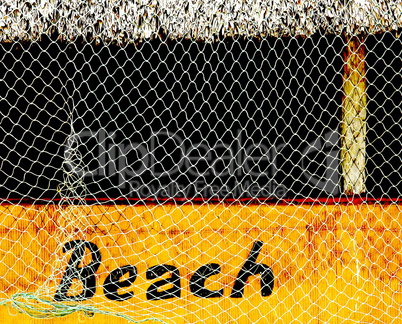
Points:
(244, 180)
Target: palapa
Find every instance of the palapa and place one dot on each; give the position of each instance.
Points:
(122, 22)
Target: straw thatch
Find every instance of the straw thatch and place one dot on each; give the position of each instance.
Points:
(128, 21)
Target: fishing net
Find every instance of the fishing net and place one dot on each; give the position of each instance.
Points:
(190, 173)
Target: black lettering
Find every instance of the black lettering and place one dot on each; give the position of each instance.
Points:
(113, 283)
(251, 268)
(85, 274)
(197, 281)
(156, 272)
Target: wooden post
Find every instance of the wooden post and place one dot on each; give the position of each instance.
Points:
(353, 123)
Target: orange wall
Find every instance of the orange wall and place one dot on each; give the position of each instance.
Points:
(332, 264)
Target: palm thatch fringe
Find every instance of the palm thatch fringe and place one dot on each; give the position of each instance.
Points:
(125, 21)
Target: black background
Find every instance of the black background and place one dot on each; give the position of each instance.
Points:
(276, 92)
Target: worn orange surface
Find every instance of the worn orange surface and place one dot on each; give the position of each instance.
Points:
(332, 263)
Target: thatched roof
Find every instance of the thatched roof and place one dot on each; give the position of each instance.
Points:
(127, 21)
